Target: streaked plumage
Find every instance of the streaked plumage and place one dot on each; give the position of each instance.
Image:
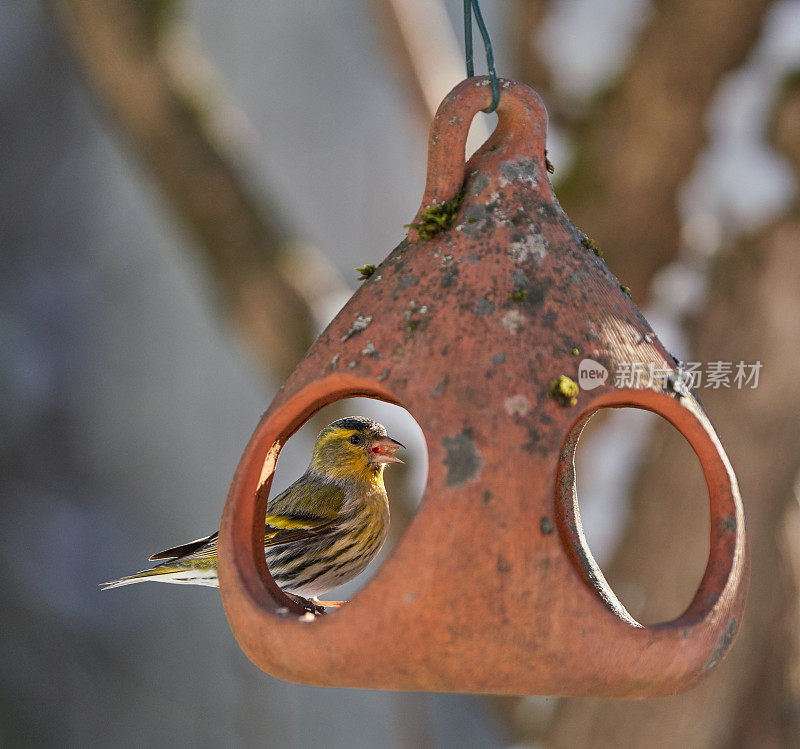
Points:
(320, 532)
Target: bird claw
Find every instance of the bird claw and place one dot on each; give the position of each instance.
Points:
(310, 606)
(329, 604)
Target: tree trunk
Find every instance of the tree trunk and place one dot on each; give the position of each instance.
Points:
(751, 699)
(161, 95)
(639, 141)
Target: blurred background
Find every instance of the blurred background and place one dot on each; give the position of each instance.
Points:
(185, 190)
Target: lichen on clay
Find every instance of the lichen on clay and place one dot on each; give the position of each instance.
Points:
(360, 324)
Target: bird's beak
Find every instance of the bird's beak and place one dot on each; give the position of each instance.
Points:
(382, 450)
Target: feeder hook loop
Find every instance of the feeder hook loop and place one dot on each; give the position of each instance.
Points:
(469, 7)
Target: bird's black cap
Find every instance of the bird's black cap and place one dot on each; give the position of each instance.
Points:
(360, 423)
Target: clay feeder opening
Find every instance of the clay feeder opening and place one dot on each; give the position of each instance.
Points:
(472, 325)
(674, 525)
(404, 482)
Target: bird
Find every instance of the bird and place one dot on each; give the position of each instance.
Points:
(320, 532)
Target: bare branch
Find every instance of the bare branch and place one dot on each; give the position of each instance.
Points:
(640, 140)
(143, 70)
(420, 37)
(426, 55)
(532, 68)
(752, 315)
(785, 127)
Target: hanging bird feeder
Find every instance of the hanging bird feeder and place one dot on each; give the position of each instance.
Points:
(473, 324)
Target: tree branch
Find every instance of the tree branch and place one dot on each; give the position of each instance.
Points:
(754, 315)
(426, 56)
(640, 139)
(531, 67)
(141, 69)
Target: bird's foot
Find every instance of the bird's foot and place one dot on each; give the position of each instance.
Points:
(328, 604)
(311, 606)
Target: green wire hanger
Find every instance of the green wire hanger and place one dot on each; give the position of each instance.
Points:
(469, 7)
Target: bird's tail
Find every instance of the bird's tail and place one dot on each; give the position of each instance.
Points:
(138, 577)
(170, 573)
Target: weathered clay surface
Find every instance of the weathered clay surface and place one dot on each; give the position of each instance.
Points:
(492, 588)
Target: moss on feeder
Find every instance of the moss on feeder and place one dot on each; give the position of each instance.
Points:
(365, 270)
(550, 168)
(590, 245)
(437, 217)
(564, 390)
(518, 296)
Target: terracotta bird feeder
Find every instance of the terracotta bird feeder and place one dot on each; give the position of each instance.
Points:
(476, 324)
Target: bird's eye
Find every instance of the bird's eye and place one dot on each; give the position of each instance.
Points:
(355, 439)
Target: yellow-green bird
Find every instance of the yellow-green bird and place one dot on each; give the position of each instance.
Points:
(320, 532)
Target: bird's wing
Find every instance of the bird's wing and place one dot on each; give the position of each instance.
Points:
(184, 549)
(284, 529)
(288, 518)
(285, 521)
(280, 529)
(321, 498)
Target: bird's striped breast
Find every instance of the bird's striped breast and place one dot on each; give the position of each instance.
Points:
(314, 566)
